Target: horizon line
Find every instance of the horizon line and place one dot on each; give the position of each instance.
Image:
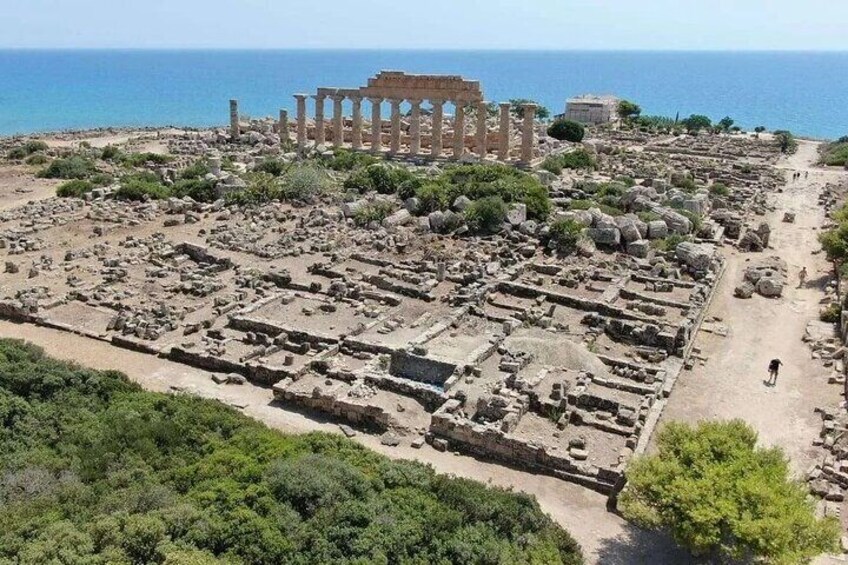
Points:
(427, 49)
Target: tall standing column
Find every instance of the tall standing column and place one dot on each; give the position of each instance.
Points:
(438, 116)
(301, 121)
(235, 128)
(503, 132)
(283, 126)
(482, 130)
(356, 137)
(338, 121)
(376, 125)
(415, 127)
(319, 119)
(527, 133)
(459, 131)
(394, 143)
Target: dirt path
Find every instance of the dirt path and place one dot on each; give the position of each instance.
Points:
(731, 382)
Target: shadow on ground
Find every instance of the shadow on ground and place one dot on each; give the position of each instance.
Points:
(641, 547)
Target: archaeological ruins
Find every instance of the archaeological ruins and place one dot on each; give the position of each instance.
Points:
(496, 346)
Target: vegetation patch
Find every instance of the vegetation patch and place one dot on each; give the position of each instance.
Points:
(74, 188)
(719, 495)
(96, 471)
(74, 167)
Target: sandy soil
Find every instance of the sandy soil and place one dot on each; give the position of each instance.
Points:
(19, 186)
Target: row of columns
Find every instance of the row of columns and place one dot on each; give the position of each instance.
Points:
(436, 143)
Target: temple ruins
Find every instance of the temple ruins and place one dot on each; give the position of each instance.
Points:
(422, 132)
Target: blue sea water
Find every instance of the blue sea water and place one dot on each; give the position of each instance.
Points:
(50, 90)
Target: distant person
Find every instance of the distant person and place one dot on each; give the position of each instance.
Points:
(802, 277)
(774, 368)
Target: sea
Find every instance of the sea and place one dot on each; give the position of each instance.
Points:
(804, 92)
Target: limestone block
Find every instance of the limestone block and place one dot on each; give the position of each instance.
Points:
(693, 255)
(604, 236)
(657, 229)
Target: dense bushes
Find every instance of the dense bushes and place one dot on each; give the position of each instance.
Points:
(346, 160)
(378, 177)
(786, 141)
(375, 211)
(579, 159)
(27, 149)
(835, 154)
(720, 495)
(141, 187)
(567, 130)
(95, 471)
(140, 159)
(565, 234)
(485, 216)
(75, 167)
(74, 188)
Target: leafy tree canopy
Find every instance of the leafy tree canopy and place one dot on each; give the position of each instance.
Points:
(721, 496)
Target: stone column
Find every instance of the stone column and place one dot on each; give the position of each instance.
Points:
(356, 137)
(503, 132)
(338, 121)
(301, 121)
(283, 126)
(527, 133)
(319, 119)
(482, 129)
(235, 128)
(438, 115)
(394, 144)
(415, 128)
(376, 125)
(459, 131)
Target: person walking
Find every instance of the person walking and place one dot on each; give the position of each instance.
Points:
(774, 368)
(802, 277)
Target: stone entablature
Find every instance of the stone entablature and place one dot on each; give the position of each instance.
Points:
(408, 139)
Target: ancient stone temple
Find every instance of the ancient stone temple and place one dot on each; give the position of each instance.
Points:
(423, 131)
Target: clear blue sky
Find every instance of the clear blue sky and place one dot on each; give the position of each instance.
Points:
(427, 24)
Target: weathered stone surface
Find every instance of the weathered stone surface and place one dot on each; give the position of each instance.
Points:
(657, 229)
(604, 236)
(693, 255)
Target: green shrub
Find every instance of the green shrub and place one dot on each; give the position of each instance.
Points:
(517, 110)
(198, 170)
(835, 154)
(17, 153)
(111, 153)
(37, 159)
(578, 159)
(74, 188)
(565, 234)
(538, 203)
(831, 314)
(648, 216)
(375, 211)
(486, 215)
(302, 183)
(720, 495)
(567, 130)
(379, 177)
(74, 167)
(138, 188)
(433, 196)
(34, 146)
(101, 179)
(347, 160)
(581, 204)
(261, 188)
(786, 141)
(669, 243)
(719, 189)
(271, 166)
(199, 190)
(140, 159)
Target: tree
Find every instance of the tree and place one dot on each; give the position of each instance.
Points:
(786, 141)
(567, 130)
(696, 122)
(760, 129)
(542, 113)
(721, 496)
(628, 110)
(726, 123)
